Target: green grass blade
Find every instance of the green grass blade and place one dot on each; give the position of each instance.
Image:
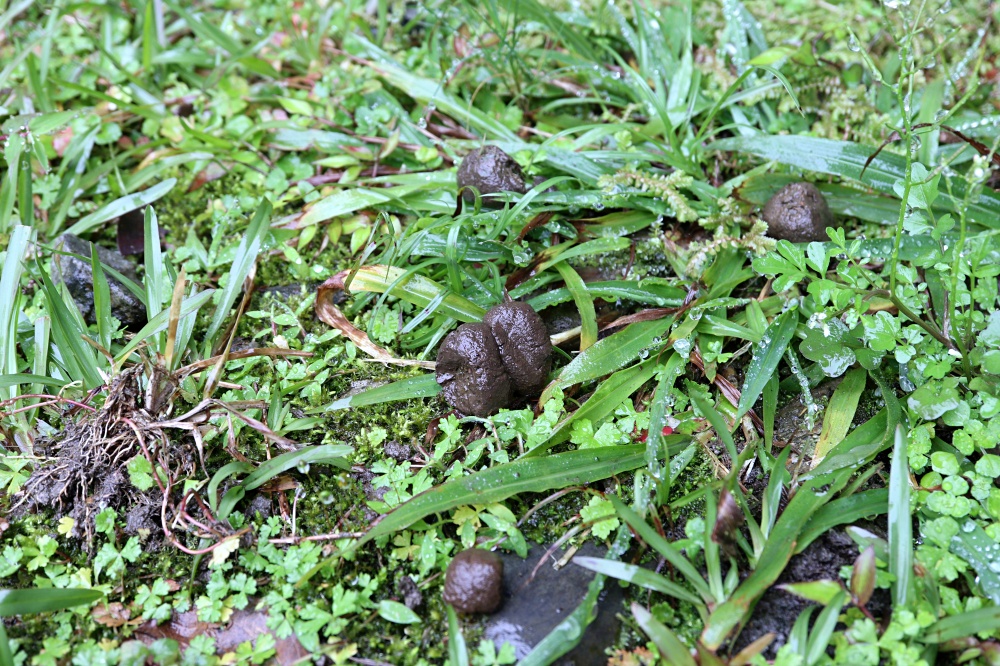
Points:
(566, 635)
(767, 355)
(102, 300)
(826, 622)
(6, 658)
(458, 653)
(719, 425)
(15, 379)
(10, 283)
(611, 353)
(525, 475)
(415, 289)
(342, 203)
(68, 331)
(43, 600)
(155, 278)
(846, 159)
(584, 303)
(13, 147)
(842, 511)
(671, 648)
(983, 620)
(605, 399)
(423, 386)
(840, 412)
(637, 575)
(900, 523)
(663, 547)
(122, 205)
(246, 256)
(327, 453)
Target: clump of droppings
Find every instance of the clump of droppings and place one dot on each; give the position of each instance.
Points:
(489, 170)
(480, 367)
(471, 374)
(798, 213)
(473, 582)
(524, 345)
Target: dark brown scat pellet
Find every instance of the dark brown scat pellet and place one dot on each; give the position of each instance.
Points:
(473, 582)
(490, 170)
(471, 374)
(798, 213)
(524, 345)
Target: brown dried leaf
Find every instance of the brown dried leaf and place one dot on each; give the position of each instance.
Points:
(331, 315)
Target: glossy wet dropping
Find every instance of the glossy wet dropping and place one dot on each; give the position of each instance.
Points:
(473, 582)
(489, 170)
(524, 345)
(798, 213)
(471, 374)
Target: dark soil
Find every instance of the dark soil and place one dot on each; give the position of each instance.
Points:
(777, 610)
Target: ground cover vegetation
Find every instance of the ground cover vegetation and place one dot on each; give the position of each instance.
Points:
(224, 436)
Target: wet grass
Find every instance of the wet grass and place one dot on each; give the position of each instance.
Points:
(279, 408)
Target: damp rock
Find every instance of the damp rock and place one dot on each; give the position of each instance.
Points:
(471, 374)
(490, 170)
(798, 213)
(535, 601)
(78, 277)
(474, 581)
(524, 345)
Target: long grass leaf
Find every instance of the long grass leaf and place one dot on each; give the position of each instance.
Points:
(423, 386)
(10, 282)
(534, 475)
(767, 355)
(243, 262)
(846, 159)
(611, 353)
(671, 648)
(43, 600)
(584, 303)
(631, 573)
(122, 205)
(900, 523)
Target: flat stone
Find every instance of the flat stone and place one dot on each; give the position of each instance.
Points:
(532, 608)
(78, 277)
